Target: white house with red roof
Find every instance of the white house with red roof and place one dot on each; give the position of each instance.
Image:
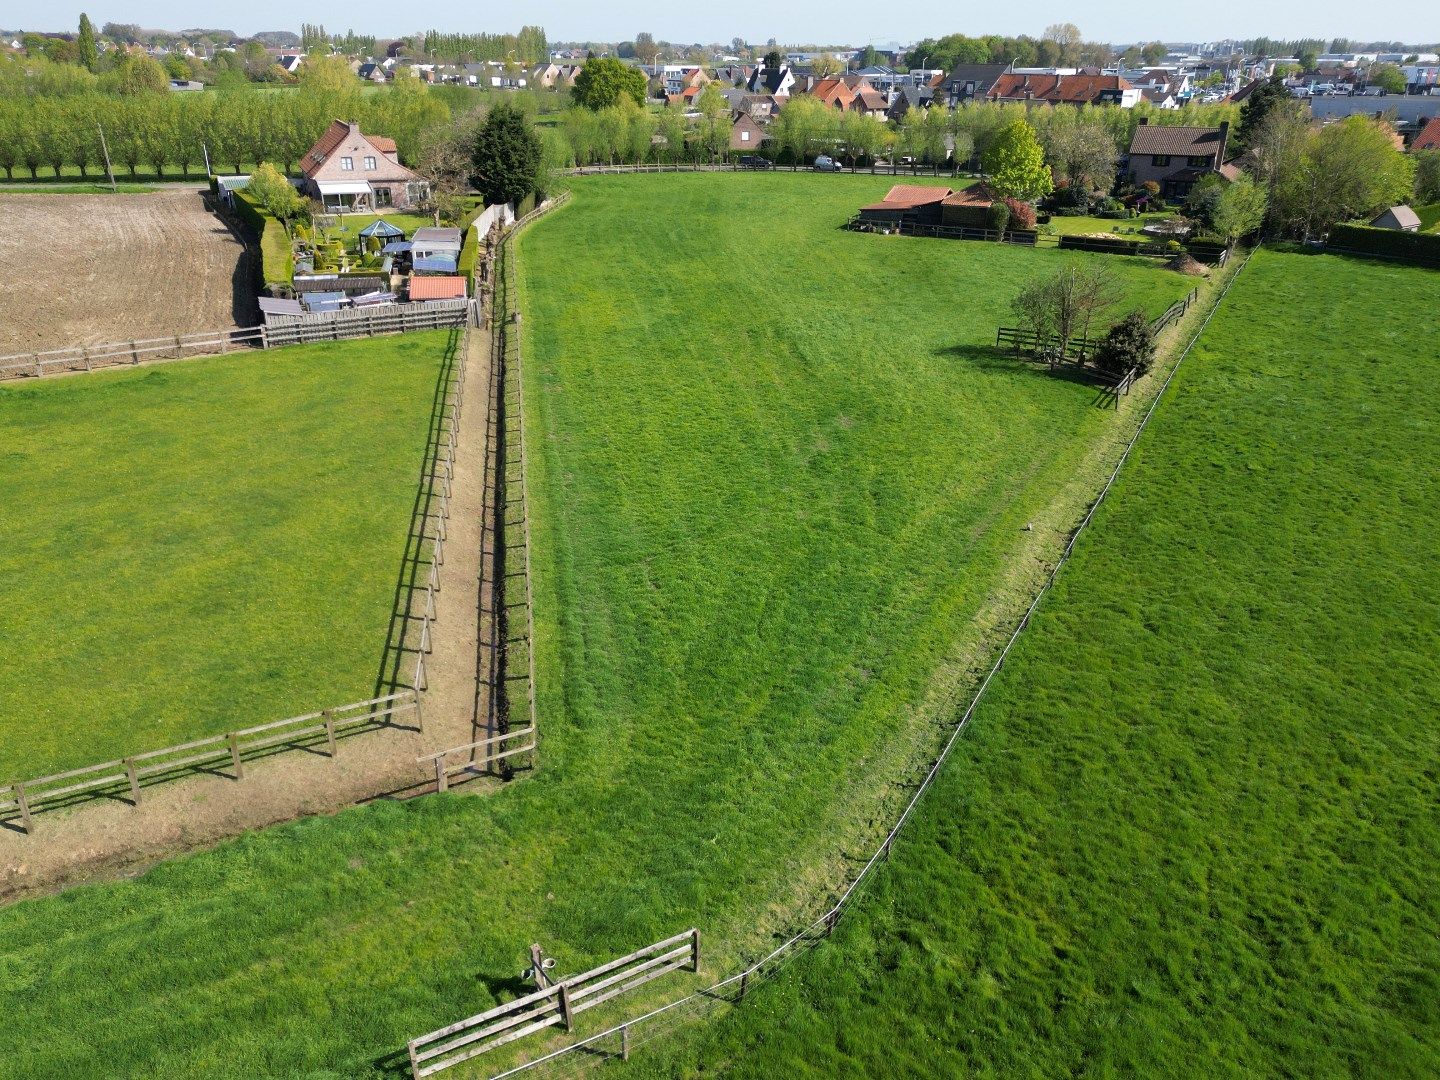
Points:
(349, 170)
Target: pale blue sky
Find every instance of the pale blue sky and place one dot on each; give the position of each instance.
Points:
(855, 21)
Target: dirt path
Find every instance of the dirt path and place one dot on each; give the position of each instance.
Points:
(87, 269)
(112, 838)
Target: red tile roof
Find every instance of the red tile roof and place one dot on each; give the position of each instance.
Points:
(1072, 89)
(909, 196)
(1429, 137)
(437, 288)
(975, 195)
(383, 144)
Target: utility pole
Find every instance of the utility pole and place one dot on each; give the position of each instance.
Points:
(206, 151)
(109, 171)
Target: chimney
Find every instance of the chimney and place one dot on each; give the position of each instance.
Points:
(1143, 121)
(1224, 138)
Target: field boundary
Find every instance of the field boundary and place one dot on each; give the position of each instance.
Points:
(732, 989)
(304, 330)
(20, 799)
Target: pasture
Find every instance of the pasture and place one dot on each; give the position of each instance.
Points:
(1192, 828)
(779, 486)
(197, 546)
(90, 269)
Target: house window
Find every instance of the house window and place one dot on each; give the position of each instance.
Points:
(369, 164)
(1198, 161)
(347, 164)
(1159, 159)
(744, 136)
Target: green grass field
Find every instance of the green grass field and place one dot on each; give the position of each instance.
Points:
(779, 480)
(79, 188)
(199, 546)
(1192, 830)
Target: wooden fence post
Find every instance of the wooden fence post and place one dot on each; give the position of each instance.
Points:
(24, 809)
(565, 1010)
(694, 950)
(134, 781)
(329, 730)
(441, 780)
(419, 720)
(235, 756)
(744, 984)
(624, 1042)
(134, 354)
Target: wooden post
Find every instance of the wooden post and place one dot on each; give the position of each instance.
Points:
(134, 781)
(134, 354)
(24, 809)
(179, 351)
(86, 354)
(441, 780)
(624, 1042)
(831, 919)
(235, 756)
(39, 368)
(419, 720)
(744, 984)
(885, 850)
(264, 339)
(694, 950)
(329, 730)
(565, 1010)
(414, 1064)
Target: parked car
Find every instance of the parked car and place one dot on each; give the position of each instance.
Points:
(827, 164)
(755, 161)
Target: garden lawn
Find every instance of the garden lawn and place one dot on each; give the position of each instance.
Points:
(778, 474)
(199, 546)
(1193, 828)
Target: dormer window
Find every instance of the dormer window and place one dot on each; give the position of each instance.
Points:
(347, 164)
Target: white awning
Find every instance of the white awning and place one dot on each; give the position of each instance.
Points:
(343, 187)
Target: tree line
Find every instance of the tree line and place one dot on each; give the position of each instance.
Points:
(164, 130)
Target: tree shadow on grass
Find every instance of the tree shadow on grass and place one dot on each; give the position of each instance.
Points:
(403, 636)
(1001, 361)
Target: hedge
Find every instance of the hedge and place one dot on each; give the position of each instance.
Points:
(1423, 248)
(277, 260)
(470, 248)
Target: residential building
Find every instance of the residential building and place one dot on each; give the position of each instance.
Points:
(746, 134)
(970, 82)
(1176, 157)
(1064, 90)
(348, 170)
(833, 92)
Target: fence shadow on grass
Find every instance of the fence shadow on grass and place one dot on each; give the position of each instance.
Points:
(1003, 360)
(402, 638)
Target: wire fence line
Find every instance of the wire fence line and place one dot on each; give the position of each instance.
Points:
(583, 1053)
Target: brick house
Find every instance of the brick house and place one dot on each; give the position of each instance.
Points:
(1176, 158)
(746, 134)
(833, 92)
(348, 170)
(1064, 90)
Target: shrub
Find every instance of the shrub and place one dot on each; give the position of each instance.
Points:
(277, 261)
(1022, 214)
(999, 216)
(1129, 344)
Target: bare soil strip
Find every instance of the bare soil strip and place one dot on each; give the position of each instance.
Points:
(106, 839)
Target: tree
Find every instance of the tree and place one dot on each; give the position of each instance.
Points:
(773, 60)
(714, 110)
(602, 82)
(1061, 306)
(1066, 37)
(1389, 77)
(1308, 58)
(1154, 52)
(327, 75)
(1014, 163)
(138, 75)
(1080, 148)
(1130, 345)
(1240, 210)
(269, 190)
(1343, 171)
(505, 163)
(1263, 100)
(646, 49)
(86, 52)
(1427, 177)
(1204, 197)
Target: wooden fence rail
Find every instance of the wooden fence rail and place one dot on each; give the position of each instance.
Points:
(555, 1005)
(126, 776)
(484, 753)
(286, 330)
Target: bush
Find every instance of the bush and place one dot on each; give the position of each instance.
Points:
(1129, 344)
(1103, 244)
(1421, 248)
(1022, 215)
(999, 216)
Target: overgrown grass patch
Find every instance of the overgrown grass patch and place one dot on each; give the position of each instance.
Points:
(199, 546)
(1193, 828)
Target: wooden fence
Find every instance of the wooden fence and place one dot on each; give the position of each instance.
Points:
(480, 756)
(283, 330)
(553, 1005)
(127, 776)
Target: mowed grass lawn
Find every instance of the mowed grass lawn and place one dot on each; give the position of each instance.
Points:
(1193, 830)
(777, 476)
(199, 546)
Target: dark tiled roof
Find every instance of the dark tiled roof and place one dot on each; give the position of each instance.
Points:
(1174, 140)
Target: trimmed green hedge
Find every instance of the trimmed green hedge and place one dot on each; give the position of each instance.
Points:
(277, 260)
(1423, 248)
(470, 249)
